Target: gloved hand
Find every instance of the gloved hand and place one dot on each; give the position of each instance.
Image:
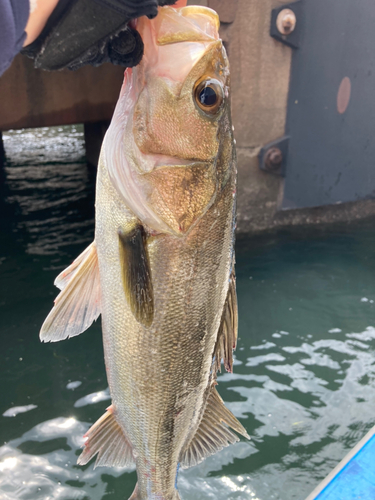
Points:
(81, 32)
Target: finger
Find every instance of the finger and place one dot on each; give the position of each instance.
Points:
(180, 3)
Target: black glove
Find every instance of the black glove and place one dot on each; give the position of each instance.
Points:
(81, 32)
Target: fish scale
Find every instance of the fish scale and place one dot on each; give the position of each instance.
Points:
(173, 324)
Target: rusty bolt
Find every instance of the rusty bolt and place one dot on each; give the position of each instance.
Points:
(286, 21)
(273, 159)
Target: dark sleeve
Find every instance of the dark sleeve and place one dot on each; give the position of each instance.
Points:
(13, 18)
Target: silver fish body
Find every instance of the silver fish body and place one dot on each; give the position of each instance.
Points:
(161, 268)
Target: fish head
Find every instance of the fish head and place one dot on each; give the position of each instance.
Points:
(172, 123)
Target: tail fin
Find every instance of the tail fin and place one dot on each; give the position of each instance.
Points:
(135, 495)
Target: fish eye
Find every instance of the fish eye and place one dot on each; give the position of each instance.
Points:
(208, 95)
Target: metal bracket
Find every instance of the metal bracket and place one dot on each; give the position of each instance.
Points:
(286, 24)
(273, 156)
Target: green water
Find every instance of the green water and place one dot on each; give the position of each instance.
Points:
(304, 381)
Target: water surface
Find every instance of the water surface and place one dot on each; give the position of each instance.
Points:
(304, 381)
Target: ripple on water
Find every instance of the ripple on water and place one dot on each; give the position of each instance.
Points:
(50, 186)
(30, 476)
(15, 410)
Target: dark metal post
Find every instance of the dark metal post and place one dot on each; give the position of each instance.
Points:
(94, 135)
(2, 150)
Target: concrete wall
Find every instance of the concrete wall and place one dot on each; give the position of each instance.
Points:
(260, 69)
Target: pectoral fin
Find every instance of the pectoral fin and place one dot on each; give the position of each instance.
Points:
(106, 439)
(68, 274)
(227, 336)
(136, 274)
(78, 303)
(212, 434)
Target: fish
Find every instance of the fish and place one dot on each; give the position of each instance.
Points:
(161, 268)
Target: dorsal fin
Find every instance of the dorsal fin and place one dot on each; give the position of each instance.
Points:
(107, 439)
(227, 336)
(136, 274)
(78, 303)
(212, 434)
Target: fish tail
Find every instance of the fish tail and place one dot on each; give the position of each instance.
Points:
(136, 496)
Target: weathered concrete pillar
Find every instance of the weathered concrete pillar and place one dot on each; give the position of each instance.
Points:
(260, 69)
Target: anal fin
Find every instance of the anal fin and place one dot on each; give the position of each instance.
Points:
(106, 439)
(78, 303)
(136, 495)
(213, 433)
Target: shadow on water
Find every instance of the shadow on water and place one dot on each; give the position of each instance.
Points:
(304, 381)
